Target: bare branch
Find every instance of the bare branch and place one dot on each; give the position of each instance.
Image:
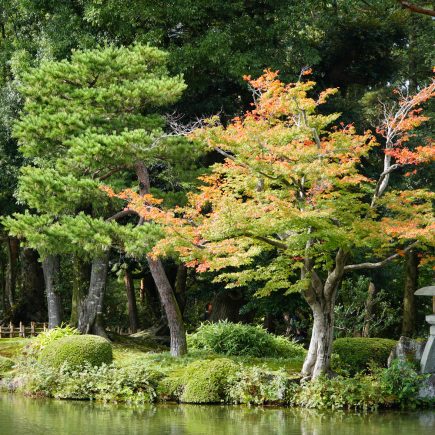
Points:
(378, 264)
(121, 214)
(417, 9)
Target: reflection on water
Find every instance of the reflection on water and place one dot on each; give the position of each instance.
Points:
(22, 416)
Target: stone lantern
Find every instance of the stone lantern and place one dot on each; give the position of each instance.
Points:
(428, 357)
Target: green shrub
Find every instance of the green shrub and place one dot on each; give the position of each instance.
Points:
(207, 381)
(360, 392)
(136, 383)
(44, 338)
(6, 364)
(257, 386)
(76, 350)
(357, 354)
(401, 382)
(236, 339)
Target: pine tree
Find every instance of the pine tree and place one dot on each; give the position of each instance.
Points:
(86, 120)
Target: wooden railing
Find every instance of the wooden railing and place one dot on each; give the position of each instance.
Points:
(12, 331)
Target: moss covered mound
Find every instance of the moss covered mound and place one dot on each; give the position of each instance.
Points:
(77, 350)
(6, 364)
(356, 354)
(207, 381)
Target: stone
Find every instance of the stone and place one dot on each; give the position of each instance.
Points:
(407, 349)
(427, 389)
(428, 357)
(426, 291)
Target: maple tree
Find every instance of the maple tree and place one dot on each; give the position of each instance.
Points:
(293, 185)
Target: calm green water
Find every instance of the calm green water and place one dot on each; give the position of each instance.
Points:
(22, 416)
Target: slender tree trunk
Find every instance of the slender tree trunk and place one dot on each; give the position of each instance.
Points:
(32, 284)
(180, 286)
(131, 297)
(411, 285)
(170, 305)
(81, 279)
(13, 249)
(51, 268)
(164, 288)
(369, 310)
(91, 309)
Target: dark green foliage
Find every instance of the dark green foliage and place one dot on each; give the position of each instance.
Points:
(234, 339)
(77, 350)
(207, 381)
(402, 382)
(357, 354)
(6, 364)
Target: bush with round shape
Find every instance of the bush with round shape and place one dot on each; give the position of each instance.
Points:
(6, 364)
(77, 350)
(237, 339)
(208, 381)
(356, 354)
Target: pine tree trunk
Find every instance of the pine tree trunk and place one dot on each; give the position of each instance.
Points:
(81, 279)
(91, 309)
(32, 283)
(411, 285)
(369, 310)
(131, 297)
(51, 268)
(170, 305)
(13, 249)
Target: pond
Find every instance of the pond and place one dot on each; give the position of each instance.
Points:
(23, 416)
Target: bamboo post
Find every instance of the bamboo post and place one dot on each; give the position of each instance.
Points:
(11, 330)
(44, 326)
(1, 327)
(22, 332)
(32, 329)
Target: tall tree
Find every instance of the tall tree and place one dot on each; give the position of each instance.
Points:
(89, 119)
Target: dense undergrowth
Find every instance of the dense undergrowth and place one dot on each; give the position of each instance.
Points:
(138, 375)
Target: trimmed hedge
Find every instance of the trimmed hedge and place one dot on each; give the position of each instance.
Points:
(6, 364)
(357, 353)
(237, 339)
(77, 350)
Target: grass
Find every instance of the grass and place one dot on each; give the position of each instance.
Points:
(11, 347)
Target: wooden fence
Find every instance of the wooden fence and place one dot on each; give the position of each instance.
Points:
(12, 331)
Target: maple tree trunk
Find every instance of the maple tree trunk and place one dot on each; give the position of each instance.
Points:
(180, 286)
(321, 296)
(318, 359)
(411, 285)
(369, 310)
(81, 279)
(91, 309)
(32, 283)
(131, 297)
(13, 249)
(170, 306)
(51, 268)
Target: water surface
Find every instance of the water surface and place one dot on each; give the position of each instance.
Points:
(23, 416)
